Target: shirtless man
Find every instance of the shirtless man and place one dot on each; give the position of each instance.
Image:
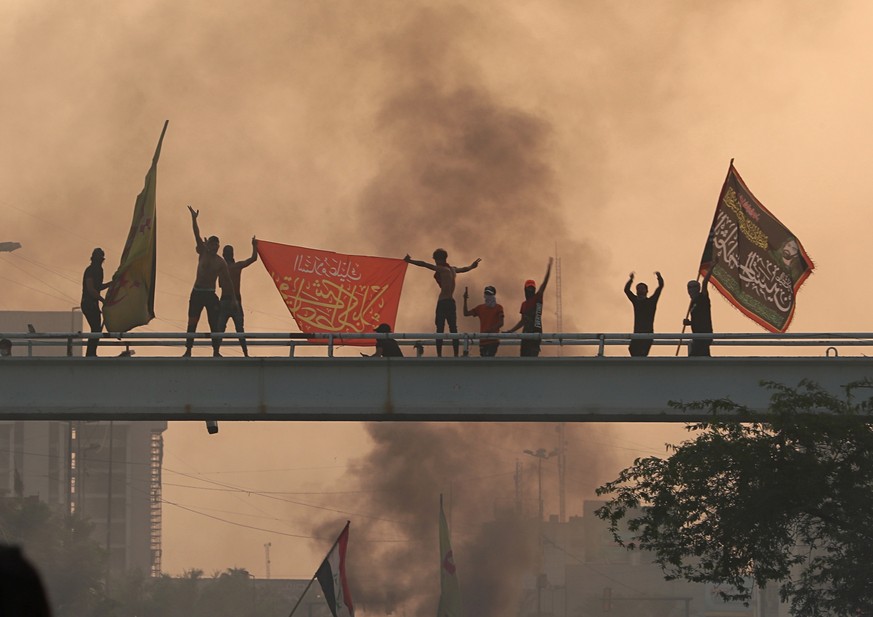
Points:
(209, 268)
(226, 309)
(446, 309)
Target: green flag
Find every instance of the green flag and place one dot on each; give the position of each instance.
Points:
(130, 301)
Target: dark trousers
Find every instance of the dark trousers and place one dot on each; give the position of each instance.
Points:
(202, 299)
(700, 347)
(92, 314)
(530, 349)
(446, 311)
(488, 350)
(225, 312)
(639, 348)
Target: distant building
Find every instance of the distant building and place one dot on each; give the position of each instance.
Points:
(105, 471)
(583, 572)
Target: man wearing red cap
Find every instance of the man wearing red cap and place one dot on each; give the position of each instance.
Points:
(532, 313)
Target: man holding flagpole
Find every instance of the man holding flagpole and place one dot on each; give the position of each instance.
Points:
(701, 315)
(92, 285)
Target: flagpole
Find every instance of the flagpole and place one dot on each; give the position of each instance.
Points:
(708, 241)
(333, 546)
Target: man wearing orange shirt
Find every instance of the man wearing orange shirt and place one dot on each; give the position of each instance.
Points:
(490, 316)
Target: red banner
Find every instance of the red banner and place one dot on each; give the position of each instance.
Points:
(332, 292)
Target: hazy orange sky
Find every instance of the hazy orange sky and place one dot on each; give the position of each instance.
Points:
(496, 129)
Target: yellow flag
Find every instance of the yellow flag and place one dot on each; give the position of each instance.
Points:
(450, 588)
(130, 301)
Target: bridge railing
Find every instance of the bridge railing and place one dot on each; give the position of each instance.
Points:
(574, 343)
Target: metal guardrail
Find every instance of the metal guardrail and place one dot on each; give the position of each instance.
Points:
(830, 341)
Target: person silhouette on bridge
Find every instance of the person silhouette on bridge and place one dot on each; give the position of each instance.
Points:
(227, 308)
(490, 316)
(209, 268)
(700, 312)
(446, 309)
(532, 313)
(387, 347)
(92, 285)
(644, 313)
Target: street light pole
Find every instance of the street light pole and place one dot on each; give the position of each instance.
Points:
(541, 455)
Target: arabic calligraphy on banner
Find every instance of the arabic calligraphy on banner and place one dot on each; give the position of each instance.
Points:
(760, 264)
(332, 292)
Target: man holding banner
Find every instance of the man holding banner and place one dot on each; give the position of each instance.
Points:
(446, 309)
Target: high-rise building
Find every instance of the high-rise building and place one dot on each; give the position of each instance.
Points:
(108, 472)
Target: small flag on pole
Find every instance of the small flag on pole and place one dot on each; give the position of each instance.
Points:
(759, 265)
(331, 576)
(130, 300)
(450, 588)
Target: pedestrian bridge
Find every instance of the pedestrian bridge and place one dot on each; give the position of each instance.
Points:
(579, 377)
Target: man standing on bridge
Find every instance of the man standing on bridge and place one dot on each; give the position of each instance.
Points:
(92, 285)
(532, 314)
(490, 316)
(209, 268)
(446, 309)
(644, 313)
(228, 309)
(701, 315)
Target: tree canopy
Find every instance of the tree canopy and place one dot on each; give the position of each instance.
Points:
(782, 498)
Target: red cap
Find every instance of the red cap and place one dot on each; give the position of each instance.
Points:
(530, 283)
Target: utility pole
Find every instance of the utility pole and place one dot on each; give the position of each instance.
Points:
(267, 556)
(559, 310)
(109, 510)
(562, 472)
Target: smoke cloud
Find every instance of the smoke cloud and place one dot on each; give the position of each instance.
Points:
(393, 547)
(500, 130)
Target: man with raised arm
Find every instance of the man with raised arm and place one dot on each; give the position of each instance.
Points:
(209, 268)
(644, 313)
(446, 309)
(701, 315)
(532, 313)
(233, 297)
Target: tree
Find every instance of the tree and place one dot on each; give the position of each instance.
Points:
(783, 498)
(71, 564)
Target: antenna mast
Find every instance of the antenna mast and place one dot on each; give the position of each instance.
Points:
(559, 310)
(267, 556)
